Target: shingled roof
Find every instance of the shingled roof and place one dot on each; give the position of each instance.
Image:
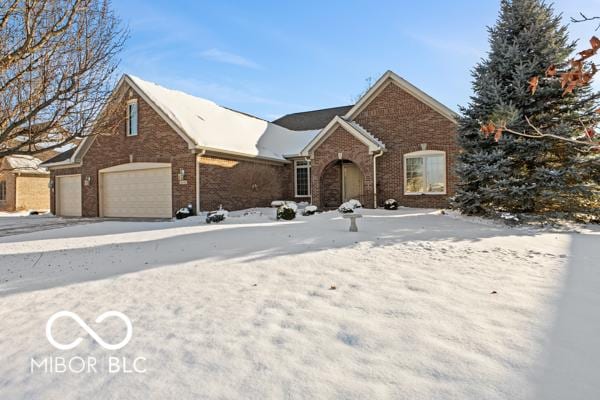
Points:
(65, 155)
(309, 120)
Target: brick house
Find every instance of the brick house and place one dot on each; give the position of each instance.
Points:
(174, 149)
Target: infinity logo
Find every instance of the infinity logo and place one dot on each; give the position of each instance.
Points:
(89, 330)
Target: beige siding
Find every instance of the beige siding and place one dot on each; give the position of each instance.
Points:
(32, 193)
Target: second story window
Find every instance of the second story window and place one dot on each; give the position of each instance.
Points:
(132, 118)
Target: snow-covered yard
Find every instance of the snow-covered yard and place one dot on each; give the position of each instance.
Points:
(425, 306)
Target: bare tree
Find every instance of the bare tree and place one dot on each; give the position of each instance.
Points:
(57, 65)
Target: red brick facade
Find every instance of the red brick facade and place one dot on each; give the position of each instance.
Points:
(237, 184)
(156, 142)
(401, 121)
(404, 124)
(328, 152)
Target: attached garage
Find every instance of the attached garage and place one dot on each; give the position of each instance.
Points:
(68, 195)
(139, 190)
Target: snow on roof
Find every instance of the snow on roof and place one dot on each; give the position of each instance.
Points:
(23, 163)
(215, 127)
(366, 133)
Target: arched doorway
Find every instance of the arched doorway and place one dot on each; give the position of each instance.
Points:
(341, 180)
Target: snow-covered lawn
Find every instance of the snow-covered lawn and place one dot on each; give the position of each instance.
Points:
(426, 306)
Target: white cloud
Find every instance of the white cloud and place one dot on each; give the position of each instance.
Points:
(228, 58)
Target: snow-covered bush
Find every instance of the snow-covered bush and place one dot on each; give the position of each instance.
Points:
(390, 204)
(349, 206)
(217, 216)
(184, 212)
(355, 203)
(287, 211)
(309, 210)
(277, 203)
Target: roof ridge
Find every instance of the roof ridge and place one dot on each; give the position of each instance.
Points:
(310, 111)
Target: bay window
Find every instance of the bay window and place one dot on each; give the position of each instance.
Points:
(425, 172)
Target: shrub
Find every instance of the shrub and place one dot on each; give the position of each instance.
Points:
(287, 212)
(355, 203)
(309, 210)
(349, 206)
(185, 212)
(390, 204)
(217, 216)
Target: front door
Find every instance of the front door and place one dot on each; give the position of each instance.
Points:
(352, 184)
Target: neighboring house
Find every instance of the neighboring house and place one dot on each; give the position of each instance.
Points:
(175, 149)
(23, 183)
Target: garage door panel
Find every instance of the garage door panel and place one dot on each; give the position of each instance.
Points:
(68, 195)
(137, 193)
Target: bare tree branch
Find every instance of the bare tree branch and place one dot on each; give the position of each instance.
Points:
(57, 65)
(585, 18)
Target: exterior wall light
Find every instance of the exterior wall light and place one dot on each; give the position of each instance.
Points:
(87, 180)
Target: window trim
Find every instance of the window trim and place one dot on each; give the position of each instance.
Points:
(308, 168)
(423, 154)
(137, 115)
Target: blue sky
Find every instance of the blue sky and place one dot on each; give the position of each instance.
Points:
(270, 58)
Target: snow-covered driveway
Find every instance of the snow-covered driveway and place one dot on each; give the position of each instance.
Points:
(20, 223)
(426, 306)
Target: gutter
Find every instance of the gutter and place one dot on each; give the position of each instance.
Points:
(375, 156)
(198, 155)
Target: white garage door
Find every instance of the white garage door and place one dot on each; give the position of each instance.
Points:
(136, 190)
(68, 195)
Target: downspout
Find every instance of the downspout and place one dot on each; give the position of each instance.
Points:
(375, 177)
(307, 159)
(198, 155)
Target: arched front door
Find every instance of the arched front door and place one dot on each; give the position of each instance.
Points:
(341, 180)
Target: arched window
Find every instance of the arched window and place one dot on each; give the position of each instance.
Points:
(425, 172)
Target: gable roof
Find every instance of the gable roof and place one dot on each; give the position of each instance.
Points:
(390, 76)
(351, 127)
(308, 120)
(212, 127)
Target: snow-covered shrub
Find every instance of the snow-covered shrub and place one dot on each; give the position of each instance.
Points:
(292, 205)
(184, 212)
(287, 211)
(217, 216)
(349, 206)
(277, 203)
(390, 204)
(309, 210)
(355, 203)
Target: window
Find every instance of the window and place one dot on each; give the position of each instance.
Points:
(302, 178)
(132, 118)
(425, 172)
(2, 190)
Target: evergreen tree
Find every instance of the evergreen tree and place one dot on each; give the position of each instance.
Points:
(518, 174)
